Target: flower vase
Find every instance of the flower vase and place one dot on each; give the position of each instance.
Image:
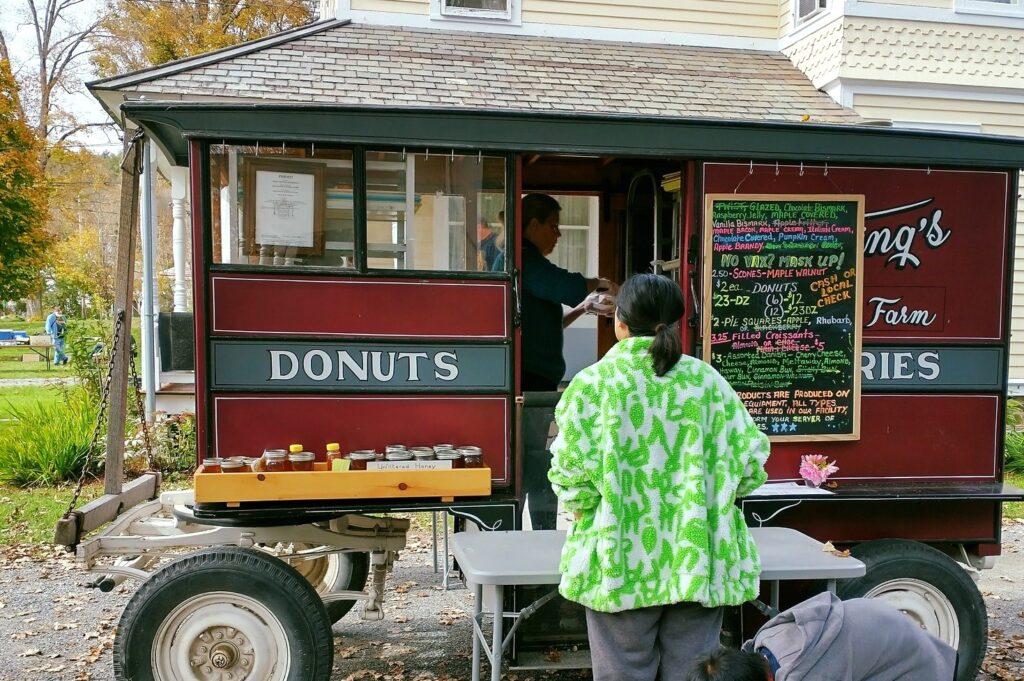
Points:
(812, 484)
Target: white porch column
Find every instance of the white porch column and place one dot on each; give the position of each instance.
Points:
(179, 235)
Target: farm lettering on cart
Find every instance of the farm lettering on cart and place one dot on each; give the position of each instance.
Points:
(783, 324)
(354, 366)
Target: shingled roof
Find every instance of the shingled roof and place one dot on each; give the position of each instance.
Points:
(348, 64)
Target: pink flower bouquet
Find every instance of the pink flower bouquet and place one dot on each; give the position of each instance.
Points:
(815, 469)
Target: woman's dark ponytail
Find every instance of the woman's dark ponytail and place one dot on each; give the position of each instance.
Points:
(667, 347)
(651, 305)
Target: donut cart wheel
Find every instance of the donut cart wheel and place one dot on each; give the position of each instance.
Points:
(930, 588)
(224, 614)
(334, 572)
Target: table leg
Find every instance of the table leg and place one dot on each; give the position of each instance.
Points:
(433, 533)
(498, 636)
(775, 595)
(478, 606)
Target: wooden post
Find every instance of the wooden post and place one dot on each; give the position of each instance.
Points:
(123, 300)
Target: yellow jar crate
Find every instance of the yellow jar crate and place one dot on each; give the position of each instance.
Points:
(324, 485)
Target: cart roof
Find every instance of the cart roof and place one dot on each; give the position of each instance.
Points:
(337, 81)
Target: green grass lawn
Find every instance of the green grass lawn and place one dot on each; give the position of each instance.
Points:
(22, 396)
(29, 515)
(1015, 509)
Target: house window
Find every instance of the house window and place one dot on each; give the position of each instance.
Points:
(577, 248)
(805, 9)
(996, 7)
(500, 10)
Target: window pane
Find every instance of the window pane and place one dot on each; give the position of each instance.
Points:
(571, 251)
(282, 206)
(437, 212)
(493, 5)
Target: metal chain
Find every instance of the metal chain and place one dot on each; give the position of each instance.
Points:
(141, 409)
(104, 399)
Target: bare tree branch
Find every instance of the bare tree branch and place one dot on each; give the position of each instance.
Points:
(4, 54)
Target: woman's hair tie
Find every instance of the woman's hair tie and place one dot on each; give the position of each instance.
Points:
(659, 328)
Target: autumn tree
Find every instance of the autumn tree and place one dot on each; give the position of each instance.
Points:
(136, 34)
(23, 239)
(59, 30)
(84, 211)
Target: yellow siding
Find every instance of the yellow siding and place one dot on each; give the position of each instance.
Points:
(1005, 118)
(750, 19)
(400, 6)
(944, 4)
(936, 53)
(745, 18)
(998, 118)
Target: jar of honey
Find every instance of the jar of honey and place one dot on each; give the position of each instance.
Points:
(333, 454)
(360, 458)
(452, 455)
(301, 461)
(212, 464)
(422, 453)
(276, 461)
(233, 466)
(472, 457)
(251, 463)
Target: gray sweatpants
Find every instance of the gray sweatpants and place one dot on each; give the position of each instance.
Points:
(634, 644)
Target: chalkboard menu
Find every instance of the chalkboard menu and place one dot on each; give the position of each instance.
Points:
(782, 309)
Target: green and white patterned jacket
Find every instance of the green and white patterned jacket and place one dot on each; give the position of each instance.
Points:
(653, 466)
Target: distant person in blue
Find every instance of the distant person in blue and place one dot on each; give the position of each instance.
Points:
(546, 288)
(55, 326)
(487, 245)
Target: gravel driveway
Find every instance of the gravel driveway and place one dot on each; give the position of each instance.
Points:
(51, 629)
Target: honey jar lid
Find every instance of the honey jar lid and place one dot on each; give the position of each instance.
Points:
(231, 463)
(333, 447)
(301, 456)
(277, 454)
(449, 455)
(362, 455)
(295, 448)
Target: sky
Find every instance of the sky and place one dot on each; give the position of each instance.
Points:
(13, 22)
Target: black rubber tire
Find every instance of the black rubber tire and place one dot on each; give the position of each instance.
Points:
(290, 598)
(351, 579)
(892, 559)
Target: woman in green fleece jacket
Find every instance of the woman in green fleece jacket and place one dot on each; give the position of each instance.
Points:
(652, 451)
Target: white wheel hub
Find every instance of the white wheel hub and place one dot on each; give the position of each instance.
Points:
(221, 636)
(923, 603)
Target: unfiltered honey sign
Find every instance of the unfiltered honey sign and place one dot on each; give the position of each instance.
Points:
(782, 309)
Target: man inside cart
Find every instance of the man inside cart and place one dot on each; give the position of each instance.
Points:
(861, 639)
(546, 288)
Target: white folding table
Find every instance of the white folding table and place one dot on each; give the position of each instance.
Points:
(495, 560)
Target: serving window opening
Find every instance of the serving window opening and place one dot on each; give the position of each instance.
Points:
(301, 207)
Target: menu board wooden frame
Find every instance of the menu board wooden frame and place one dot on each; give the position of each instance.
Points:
(252, 166)
(707, 307)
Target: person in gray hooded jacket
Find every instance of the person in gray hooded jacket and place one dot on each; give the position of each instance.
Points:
(826, 639)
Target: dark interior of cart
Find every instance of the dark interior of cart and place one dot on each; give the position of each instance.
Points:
(637, 208)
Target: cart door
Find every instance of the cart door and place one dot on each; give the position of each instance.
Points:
(353, 297)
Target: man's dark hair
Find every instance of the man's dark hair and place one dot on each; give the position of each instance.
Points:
(729, 664)
(539, 206)
(652, 305)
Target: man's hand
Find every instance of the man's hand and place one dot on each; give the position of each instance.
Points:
(599, 303)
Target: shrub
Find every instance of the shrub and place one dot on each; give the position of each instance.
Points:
(1014, 449)
(172, 440)
(48, 442)
(81, 341)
